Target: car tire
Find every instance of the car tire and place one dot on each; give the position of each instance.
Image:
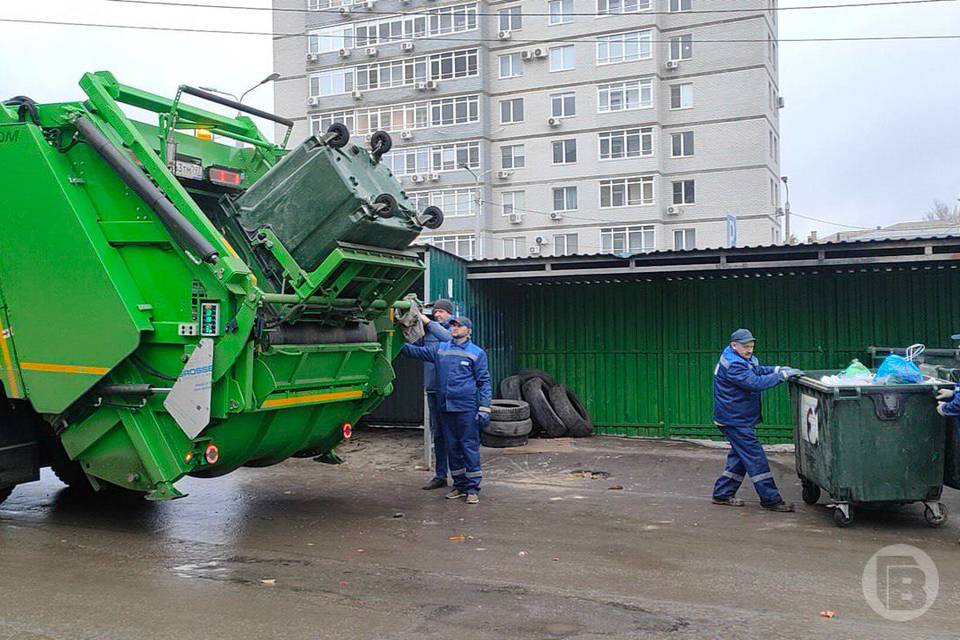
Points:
(546, 421)
(508, 410)
(528, 374)
(508, 428)
(510, 388)
(571, 411)
(502, 442)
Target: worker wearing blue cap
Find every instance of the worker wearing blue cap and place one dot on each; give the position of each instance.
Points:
(737, 382)
(948, 401)
(464, 394)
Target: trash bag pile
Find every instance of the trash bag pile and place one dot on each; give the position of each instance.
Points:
(894, 369)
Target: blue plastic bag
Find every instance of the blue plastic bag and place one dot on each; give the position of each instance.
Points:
(898, 370)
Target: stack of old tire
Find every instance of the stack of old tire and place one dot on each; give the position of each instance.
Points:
(509, 425)
(555, 409)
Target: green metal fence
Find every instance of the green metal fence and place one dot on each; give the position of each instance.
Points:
(641, 354)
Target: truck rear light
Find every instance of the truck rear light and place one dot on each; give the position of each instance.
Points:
(212, 454)
(347, 430)
(224, 177)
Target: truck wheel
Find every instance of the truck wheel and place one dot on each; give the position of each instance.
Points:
(549, 423)
(5, 493)
(507, 410)
(571, 411)
(810, 493)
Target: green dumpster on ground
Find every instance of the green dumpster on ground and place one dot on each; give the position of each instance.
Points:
(869, 444)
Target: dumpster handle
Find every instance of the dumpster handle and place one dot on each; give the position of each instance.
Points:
(846, 393)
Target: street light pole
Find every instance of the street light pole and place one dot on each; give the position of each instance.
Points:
(786, 212)
(269, 78)
(478, 242)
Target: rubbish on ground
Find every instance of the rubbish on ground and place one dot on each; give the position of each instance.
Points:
(615, 487)
(398, 515)
(522, 554)
(827, 614)
(269, 581)
(589, 474)
(457, 538)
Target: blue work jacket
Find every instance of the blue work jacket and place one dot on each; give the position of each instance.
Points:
(952, 408)
(463, 377)
(434, 333)
(737, 384)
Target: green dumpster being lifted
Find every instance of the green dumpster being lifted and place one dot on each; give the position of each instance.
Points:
(869, 444)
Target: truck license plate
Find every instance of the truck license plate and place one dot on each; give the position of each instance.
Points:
(189, 170)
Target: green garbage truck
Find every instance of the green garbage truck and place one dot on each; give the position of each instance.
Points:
(185, 297)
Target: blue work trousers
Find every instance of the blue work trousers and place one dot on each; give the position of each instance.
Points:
(746, 458)
(440, 467)
(462, 434)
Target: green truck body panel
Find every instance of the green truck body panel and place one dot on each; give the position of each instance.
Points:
(102, 288)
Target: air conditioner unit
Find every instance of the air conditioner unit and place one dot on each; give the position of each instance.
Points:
(406, 46)
(313, 101)
(503, 35)
(780, 103)
(434, 177)
(421, 86)
(344, 53)
(372, 52)
(556, 215)
(674, 210)
(406, 135)
(516, 218)
(535, 250)
(416, 178)
(344, 11)
(553, 122)
(432, 84)
(312, 57)
(503, 174)
(540, 52)
(357, 94)
(671, 65)
(526, 55)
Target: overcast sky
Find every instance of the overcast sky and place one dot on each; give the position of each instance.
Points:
(870, 132)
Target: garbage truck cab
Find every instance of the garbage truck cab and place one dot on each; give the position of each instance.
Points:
(187, 297)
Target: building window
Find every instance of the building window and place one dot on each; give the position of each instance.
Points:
(561, 11)
(320, 123)
(624, 47)
(565, 151)
(681, 47)
(684, 192)
(684, 239)
(626, 143)
(330, 39)
(639, 239)
(564, 198)
(563, 105)
(459, 245)
(514, 246)
(396, 73)
(403, 117)
(512, 157)
(617, 7)
(625, 96)
(511, 111)
(331, 83)
(459, 110)
(680, 5)
(681, 144)
(513, 202)
(562, 58)
(626, 192)
(433, 159)
(455, 203)
(511, 65)
(681, 96)
(565, 244)
(511, 18)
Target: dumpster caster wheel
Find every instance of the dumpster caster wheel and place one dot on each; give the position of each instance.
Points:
(811, 493)
(843, 515)
(936, 514)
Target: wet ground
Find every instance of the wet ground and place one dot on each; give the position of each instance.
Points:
(600, 538)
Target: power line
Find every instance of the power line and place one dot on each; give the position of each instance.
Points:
(201, 5)
(835, 224)
(64, 23)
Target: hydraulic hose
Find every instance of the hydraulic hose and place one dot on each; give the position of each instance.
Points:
(172, 219)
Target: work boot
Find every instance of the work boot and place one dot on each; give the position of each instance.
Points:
(473, 498)
(728, 502)
(436, 483)
(780, 507)
(453, 495)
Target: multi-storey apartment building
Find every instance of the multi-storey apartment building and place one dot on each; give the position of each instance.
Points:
(553, 126)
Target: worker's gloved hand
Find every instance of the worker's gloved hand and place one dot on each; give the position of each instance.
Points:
(483, 417)
(940, 406)
(789, 373)
(945, 394)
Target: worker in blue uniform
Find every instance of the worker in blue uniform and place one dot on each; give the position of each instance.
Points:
(464, 394)
(436, 330)
(738, 380)
(948, 400)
